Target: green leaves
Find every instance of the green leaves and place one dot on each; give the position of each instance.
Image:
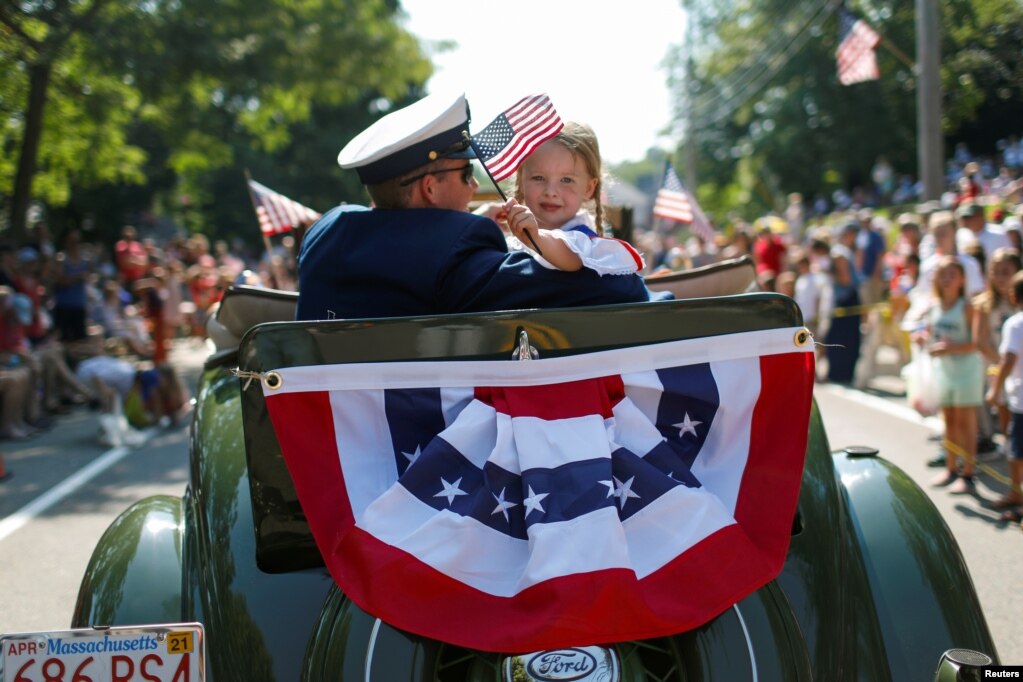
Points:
(766, 96)
(191, 88)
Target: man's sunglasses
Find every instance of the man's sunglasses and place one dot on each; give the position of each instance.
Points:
(467, 174)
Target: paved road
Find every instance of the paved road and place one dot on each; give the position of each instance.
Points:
(66, 490)
(993, 550)
(45, 549)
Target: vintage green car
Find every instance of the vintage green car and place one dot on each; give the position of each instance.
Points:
(870, 584)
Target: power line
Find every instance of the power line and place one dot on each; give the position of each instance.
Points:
(754, 80)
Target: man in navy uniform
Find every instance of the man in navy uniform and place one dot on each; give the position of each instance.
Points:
(418, 251)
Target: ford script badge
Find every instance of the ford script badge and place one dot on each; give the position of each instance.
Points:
(577, 664)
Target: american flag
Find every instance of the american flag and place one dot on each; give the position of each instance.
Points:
(856, 42)
(675, 203)
(522, 506)
(277, 213)
(513, 135)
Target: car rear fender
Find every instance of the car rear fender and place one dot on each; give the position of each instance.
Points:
(922, 594)
(134, 575)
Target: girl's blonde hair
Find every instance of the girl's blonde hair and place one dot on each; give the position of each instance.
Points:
(581, 141)
(991, 298)
(945, 262)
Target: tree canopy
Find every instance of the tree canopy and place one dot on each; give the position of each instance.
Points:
(770, 117)
(112, 109)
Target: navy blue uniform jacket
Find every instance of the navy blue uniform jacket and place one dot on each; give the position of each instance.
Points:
(356, 262)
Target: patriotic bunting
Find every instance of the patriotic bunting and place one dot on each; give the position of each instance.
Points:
(519, 506)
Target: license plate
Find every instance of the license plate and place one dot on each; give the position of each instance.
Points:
(146, 653)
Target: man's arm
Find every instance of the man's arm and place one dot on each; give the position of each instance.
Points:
(481, 275)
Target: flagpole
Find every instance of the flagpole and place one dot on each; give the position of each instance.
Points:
(255, 207)
(500, 192)
(898, 53)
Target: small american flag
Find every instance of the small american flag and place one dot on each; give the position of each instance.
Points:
(277, 213)
(676, 204)
(512, 136)
(855, 54)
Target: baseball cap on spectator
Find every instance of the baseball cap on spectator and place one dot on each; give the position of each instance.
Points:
(847, 227)
(968, 209)
(27, 255)
(22, 308)
(908, 220)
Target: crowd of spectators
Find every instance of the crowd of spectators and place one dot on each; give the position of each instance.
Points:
(90, 325)
(862, 270)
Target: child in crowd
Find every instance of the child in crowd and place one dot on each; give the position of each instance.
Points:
(994, 307)
(141, 396)
(958, 372)
(1009, 384)
(555, 186)
(807, 290)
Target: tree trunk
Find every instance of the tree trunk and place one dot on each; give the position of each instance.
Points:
(39, 84)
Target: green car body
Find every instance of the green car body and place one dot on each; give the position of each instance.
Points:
(873, 586)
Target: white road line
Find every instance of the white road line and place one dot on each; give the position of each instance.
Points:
(882, 405)
(66, 487)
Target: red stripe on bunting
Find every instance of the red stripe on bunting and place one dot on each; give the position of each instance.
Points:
(312, 458)
(556, 401)
(576, 610)
(768, 493)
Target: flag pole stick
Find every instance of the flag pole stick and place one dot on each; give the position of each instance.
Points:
(899, 54)
(500, 192)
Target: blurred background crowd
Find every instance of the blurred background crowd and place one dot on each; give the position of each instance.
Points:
(86, 325)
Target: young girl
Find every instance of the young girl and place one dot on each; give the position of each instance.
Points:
(993, 309)
(554, 186)
(958, 372)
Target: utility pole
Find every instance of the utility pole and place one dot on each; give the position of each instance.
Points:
(930, 143)
(689, 151)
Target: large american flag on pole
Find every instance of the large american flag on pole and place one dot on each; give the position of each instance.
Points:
(277, 213)
(514, 134)
(857, 61)
(518, 506)
(675, 203)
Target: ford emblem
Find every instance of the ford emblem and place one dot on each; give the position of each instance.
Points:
(576, 664)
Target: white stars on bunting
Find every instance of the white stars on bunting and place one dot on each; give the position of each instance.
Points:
(503, 505)
(412, 456)
(622, 491)
(533, 500)
(451, 490)
(687, 425)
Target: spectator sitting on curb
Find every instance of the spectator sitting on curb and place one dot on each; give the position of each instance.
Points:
(132, 397)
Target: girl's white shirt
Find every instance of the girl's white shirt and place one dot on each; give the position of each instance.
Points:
(604, 255)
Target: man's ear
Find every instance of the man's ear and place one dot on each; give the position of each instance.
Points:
(429, 189)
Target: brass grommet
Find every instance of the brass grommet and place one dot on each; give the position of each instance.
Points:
(802, 337)
(273, 380)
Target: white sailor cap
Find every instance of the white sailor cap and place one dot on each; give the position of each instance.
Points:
(434, 127)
